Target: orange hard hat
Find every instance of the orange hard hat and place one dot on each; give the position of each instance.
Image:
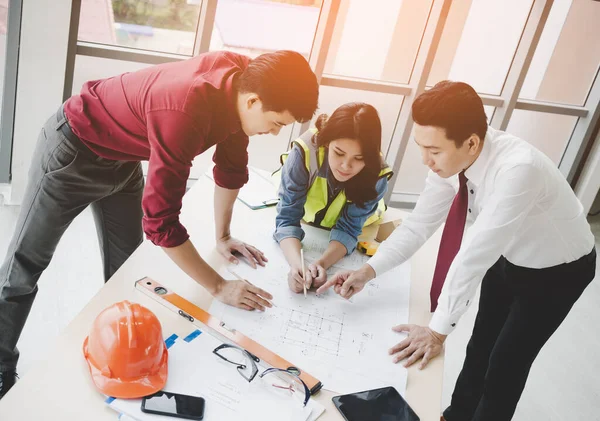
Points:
(125, 351)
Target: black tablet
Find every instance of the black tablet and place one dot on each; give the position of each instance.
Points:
(383, 404)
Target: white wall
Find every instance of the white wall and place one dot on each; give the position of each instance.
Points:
(42, 61)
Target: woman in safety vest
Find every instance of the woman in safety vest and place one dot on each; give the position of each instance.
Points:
(333, 177)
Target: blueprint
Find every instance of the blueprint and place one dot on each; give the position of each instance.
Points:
(343, 343)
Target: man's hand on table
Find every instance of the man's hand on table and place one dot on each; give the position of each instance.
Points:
(422, 344)
(228, 245)
(242, 294)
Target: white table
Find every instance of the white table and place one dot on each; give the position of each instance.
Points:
(61, 388)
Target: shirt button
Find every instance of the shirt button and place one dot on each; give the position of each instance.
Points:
(453, 324)
(471, 191)
(469, 210)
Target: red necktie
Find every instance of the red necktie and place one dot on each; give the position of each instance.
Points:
(451, 239)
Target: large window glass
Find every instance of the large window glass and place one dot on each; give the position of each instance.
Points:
(479, 42)
(3, 29)
(254, 27)
(550, 133)
(568, 51)
(379, 43)
(158, 25)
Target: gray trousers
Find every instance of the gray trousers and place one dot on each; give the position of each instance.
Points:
(65, 177)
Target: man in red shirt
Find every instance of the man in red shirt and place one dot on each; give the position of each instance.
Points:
(89, 153)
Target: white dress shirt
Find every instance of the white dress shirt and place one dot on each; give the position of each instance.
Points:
(520, 207)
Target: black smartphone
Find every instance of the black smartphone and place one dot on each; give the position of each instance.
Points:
(383, 404)
(174, 405)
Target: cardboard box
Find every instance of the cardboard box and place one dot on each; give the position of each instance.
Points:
(385, 229)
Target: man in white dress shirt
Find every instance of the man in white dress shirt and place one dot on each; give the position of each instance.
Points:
(530, 246)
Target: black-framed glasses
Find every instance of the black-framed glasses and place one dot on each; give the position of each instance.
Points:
(245, 361)
(284, 383)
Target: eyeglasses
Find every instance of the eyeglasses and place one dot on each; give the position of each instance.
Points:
(284, 383)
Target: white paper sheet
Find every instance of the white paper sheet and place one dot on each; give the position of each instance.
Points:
(258, 192)
(342, 343)
(195, 370)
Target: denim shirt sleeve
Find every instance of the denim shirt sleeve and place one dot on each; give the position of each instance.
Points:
(350, 224)
(292, 197)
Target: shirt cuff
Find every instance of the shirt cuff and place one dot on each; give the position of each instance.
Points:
(379, 265)
(343, 237)
(230, 180)
(174, 236)
(289, 231)
(443, 323)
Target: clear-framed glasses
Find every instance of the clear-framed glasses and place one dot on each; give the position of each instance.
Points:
(285, 383)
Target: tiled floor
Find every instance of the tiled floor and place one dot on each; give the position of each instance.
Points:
(563, 384)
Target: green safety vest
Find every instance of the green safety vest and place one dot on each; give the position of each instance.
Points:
(317, 198)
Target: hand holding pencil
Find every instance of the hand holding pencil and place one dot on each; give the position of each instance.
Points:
(303, 276)
(299, 278)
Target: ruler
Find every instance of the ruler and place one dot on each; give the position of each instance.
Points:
(202, 318)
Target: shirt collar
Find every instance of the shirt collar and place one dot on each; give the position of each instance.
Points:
(231, 104)
(476, 171)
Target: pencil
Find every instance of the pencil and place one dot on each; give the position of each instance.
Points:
(239, 278)
(303, 271)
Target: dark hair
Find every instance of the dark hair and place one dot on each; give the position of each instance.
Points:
(284, 81)
(454, 107)
(359, 121)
